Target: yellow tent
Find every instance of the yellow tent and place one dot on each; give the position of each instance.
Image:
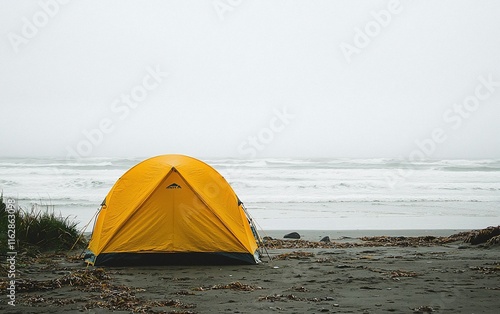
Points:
(172, 209)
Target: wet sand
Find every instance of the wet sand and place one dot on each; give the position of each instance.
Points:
(347, 276)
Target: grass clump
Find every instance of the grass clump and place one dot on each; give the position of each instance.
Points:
(39, 229)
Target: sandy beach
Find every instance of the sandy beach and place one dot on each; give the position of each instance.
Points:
(347, 275)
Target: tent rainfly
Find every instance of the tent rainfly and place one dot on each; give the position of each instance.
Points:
(172, 209)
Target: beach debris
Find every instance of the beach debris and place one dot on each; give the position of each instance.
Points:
(87, 280)
(173, 303)
(112, 297)
(280, 297)
(299, 289)
(325, 239)
(292, 235)
(294, 244)
(177, 278)
(368, 257)
(123, 301)
(482, 236)
(39, 299)
(75, 258)
(495, 241)
(486, 269)
(276, 308)
(303, 244)
(405, 241)
(123, 298)
(291, 297)
(238, 286)
(423, 309)
(294, 255)
(378, 241)
(402, 273)
(3, 271)
(324, 260)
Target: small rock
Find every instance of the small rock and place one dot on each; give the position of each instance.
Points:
(293, 235)
(325, 239)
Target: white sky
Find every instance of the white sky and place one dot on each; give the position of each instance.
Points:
(233, 64)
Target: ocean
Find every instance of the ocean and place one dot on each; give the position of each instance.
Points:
(290, 194)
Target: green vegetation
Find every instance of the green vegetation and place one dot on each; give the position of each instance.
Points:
(39, 230)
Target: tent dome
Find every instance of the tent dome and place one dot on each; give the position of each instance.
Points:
(172, 209)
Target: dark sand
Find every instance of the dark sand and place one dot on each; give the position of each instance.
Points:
(433, 278)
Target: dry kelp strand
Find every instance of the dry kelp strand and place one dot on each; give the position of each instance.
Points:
(375, 241)
(495, 241)
(39, 299)
(482, 236)
(291, 297)
(294, 255)
(486, 269)
(111, 297)
(87, 280)
(402, 273)
(238, 286)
